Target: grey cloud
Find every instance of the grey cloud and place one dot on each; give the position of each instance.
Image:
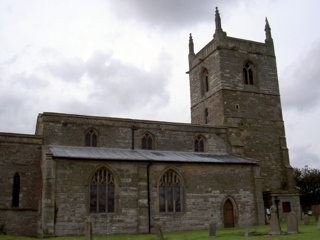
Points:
(17, 106)
(96, 66)
(303, 155)
(69, 70)
(115, 89)
(302, 92)
(123, 87)
(168, 13)
(28, 82)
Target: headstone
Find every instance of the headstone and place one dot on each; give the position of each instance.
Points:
(212, 229)
(159, 232)
(274, 221)
(316, 211)
(306, 220)
(319, 223)
(88, 234)
(292, 223)
(246, 232)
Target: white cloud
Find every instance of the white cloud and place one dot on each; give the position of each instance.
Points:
(302, 92)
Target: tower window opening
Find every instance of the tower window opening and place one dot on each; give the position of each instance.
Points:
(248, 74)
(205, 81)
(206, 114)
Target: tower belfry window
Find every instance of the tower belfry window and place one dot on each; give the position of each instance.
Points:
(248, 74)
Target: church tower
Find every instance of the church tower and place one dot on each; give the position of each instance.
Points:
(234, 83)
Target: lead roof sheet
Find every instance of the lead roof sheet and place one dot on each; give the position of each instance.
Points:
(95, 153)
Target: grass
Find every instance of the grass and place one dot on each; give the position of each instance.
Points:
(307, 232)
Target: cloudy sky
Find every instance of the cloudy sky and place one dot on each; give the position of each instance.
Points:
(128, 59)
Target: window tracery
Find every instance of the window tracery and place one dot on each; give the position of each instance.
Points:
(147, 141)
(204, 81)
(102, 192)
(248, 74)
(199, 144)
(170, 192)
(91, 138)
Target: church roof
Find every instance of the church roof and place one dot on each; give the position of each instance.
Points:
(95, 153)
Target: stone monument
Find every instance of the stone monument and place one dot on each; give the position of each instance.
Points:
(159, 232)
(275, 228)
(306, 220)
(88, 233)
(212, 229)
(292, 223)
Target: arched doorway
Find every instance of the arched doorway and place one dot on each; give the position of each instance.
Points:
(228, 214)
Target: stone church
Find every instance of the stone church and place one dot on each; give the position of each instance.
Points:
(228, 166)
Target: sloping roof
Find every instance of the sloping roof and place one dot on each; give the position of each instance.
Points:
(95, 153)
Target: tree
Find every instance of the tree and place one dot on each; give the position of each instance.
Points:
(307, 181)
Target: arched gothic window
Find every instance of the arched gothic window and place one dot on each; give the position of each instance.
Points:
(170, 192)
(205, 80)
(16, 190)
(91, 138)
(248, 74)
(146, 141)
(102, 192)
(199, 144)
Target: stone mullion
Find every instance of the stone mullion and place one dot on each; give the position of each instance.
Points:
(106, 208)
(97, 207)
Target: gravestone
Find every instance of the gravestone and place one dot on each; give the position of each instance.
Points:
(292, 223)
(306, 220)
(246, 232)
(212, 229)
(316, 211)
(274, 222)
(88, 231)
(319, 223)
(159, 232)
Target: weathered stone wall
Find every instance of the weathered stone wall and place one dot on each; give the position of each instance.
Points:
(20, 154)
(258, 123)
(252, 113)
(69, 130)
(203, 197)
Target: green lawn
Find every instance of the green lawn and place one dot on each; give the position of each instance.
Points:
(308, 232)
